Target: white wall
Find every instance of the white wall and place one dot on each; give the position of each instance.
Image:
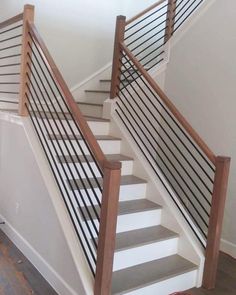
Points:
(201, 79)
(30, 217)
(78, 33)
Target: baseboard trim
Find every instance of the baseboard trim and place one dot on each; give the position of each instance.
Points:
(49, 273)
(94, 75)
(228, 248)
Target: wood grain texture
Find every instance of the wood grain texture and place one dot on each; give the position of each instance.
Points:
(17, 275)
(170, 19)
(216, 221)
(11, 21)
(107, 231)
(116, 64)
(225, 279)
(28, 15)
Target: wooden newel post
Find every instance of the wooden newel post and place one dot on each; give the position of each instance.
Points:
(216, 221)
(170, 19)
(28, 17)
(119, 38)
(107, 231)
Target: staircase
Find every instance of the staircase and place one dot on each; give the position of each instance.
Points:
(137, 232)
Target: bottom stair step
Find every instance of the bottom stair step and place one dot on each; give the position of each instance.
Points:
(129, 280)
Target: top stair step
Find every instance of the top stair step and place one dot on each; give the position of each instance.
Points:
(152, 272)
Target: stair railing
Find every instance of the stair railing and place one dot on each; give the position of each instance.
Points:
(88, 182)
(147, 34)
(10, 47)
(194, 177)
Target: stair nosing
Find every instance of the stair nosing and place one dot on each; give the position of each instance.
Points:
(122, 213)
(78, 137)
(89, 104)
(172, 235)
(184, 270)
(97, 91)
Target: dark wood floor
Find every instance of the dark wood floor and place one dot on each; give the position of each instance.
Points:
(19, 277)
(226, 278)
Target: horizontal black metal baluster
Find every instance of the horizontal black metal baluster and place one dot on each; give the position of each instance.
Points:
(9, 83)
(10, 56)
(8, 101)
(62, 153)
(181, 130)
(149, 47)
(68, 138)
(62, 166)
(177, 4)
(153, 158)
(61, 150)
(181, 9)
(73, 119)
(166, 156)
(146, 25)
(153, 58)
(10, 47)
(11, 29)
(168, 136)
(10, 74)
(9, 92)
(176, 28)
(155, 64)
(143, 19)
(65, 188)
(164, 119)
(149, 31)
(10, 65)
(73, 133)
(11, 38)
(146, 40)
(160, 178)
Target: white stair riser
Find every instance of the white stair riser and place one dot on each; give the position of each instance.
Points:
(98, 128)
(178, 283)
(105, 86)
(90, 110)
(136, 220)
(96, 97)
(127, 167)
(135, 190)
(145, 253)
(107, 146)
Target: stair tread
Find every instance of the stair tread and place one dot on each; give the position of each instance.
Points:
(95, 119)
(112, 157)
(143, 236)
(97, 91)
(127, 207)
(105, 80)
(71, 136)
(89, 103)
(148, 273)
(125, 180)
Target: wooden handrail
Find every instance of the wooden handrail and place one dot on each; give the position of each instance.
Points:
(179, 117)
(11, 21)
(144, 12)
(78, 116)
